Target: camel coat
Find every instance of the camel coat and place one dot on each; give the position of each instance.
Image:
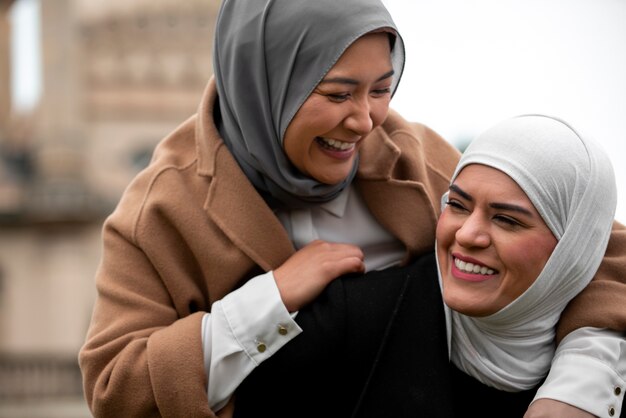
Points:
(191, 228)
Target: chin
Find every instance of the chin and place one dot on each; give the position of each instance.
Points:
(463, 305)
(331, 180)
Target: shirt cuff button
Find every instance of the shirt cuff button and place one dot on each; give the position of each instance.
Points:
(282, 330)
(617, 391)
(611, 411)
(261, 347)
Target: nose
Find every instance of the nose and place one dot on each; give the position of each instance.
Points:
(473, 233)
(360, 119)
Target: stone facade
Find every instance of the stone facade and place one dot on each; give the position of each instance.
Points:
(117, 77)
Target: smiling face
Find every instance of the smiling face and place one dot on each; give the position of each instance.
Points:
(491, 242)
(324, 136)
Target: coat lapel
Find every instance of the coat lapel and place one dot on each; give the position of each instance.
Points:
(403, 207)
(232, 202)
(235, 206)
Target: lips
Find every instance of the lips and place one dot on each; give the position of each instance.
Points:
(334, 144)
(471, 270)
(468, 267)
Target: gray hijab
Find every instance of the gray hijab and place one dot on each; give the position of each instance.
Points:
(570, 181)
(268, 57)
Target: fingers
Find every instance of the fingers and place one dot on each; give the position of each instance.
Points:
(342, 265)
(306, 273)
(332, 250)
(325, 261)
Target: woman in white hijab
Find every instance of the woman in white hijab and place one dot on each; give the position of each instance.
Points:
(524, 229)
(293, 172)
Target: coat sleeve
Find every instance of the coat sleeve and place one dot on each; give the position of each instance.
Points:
(143, 354)
(601, 304)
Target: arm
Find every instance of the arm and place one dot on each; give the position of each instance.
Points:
(573, 360)
(243, 329)
(251, 324)
(550, 408)
(600, 305)
(143, 337)
(138, 346)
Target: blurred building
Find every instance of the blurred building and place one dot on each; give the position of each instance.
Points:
(117, 77)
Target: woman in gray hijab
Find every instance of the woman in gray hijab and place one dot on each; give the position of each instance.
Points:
(293, 172)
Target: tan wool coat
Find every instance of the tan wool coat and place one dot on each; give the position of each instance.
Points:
(191, 228)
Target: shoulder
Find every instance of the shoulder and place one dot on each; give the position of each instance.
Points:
(171, 172)
(421, 142)
(404, 150)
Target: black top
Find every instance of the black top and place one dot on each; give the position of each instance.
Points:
(373, 345)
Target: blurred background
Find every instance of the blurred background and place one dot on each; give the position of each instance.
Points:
(87, 89)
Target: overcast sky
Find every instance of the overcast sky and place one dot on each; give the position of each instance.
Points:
(26, 59)
(472, 63)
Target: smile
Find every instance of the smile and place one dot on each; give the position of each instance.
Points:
(334, 144)
(473, 268)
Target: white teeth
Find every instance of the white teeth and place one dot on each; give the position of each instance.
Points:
(472, 268)
(340, 145)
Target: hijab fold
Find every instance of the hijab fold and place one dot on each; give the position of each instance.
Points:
(570, 181)
(268, 57)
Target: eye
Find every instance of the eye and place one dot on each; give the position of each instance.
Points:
(338, 97)
(507, 221)
(381, 92)
(455, 206)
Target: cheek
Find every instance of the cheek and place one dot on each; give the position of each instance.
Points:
(525, 261)
(379, 112)
(299, 130)
(290, 146)
(536, 254)
(444, 235)
(445, 229)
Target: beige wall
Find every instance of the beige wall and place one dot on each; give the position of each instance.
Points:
(47, 287)
(118, 76)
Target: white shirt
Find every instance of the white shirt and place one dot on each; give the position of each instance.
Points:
(251, 323)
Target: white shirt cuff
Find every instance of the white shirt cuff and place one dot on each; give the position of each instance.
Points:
(587, 372)
(258, 318)
(243, 329)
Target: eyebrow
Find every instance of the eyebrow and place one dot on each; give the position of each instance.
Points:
(351, 81)
(514, 208)
(504, 206)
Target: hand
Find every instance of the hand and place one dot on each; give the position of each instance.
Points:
(228, 410)
(550, 408)
(306, 273)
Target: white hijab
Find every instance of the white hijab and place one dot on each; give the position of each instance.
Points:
(570, 181)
